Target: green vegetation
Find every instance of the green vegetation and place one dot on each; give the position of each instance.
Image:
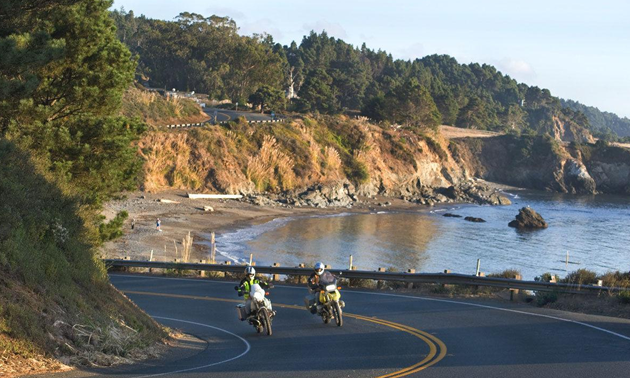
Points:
(268, 98)
(605, 125)
(330, 76)
(112, 229)
(63, 151)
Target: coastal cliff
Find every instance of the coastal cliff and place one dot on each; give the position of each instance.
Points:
(543, 163)
(318, 162)
(332, 160)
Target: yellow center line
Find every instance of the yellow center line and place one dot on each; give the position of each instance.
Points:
(429, 339)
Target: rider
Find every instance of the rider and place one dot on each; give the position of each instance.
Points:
(313, 285)
(245, 286)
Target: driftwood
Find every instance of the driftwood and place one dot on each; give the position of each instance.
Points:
(214, 196)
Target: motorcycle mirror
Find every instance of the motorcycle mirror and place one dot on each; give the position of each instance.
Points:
(235, 287)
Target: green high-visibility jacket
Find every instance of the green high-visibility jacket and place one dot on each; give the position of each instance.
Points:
(246, 284)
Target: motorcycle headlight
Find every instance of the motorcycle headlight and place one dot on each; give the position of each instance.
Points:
(331, 287)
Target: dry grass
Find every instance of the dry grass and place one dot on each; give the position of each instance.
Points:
(243, 158)
(271, 168)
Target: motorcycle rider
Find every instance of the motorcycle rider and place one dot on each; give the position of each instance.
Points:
(313, 285)
(245, 286)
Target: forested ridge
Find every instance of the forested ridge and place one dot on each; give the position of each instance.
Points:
(606, 125)
(328, 75)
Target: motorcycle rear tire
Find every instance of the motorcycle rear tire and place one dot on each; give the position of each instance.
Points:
(266, 321)
(336, 309)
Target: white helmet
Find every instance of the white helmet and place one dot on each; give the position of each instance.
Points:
(319, 268)
(250, 271)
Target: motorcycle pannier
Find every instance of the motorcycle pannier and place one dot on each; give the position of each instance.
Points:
(242, 311)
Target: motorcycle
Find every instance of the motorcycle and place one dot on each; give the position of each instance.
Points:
(330, 304)
(259, 314)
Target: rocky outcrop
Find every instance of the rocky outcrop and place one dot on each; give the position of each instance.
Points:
(468, 192)
(543, 164)
(528, 218)
(476, 220)
(451, 215)
(576, 179)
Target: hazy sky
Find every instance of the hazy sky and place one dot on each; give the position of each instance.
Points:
(578, 49)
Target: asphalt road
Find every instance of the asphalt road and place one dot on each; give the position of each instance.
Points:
(230, 115)
(384, 335)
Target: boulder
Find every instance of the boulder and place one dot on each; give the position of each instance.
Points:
(451, 215)
(528, 218)
(473, 219)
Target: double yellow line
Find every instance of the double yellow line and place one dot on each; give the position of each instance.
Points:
(437, 349)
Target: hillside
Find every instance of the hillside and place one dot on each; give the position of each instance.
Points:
(156, 110)
(64, 150)
(604, 124)
(352, 157)
(330, 76)
(55, 298)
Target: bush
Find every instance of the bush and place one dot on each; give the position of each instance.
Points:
(581, 277)
(508, 273)
(112, 229)
(545, 297)
(624, 297)
(616, 279)
(546, 277)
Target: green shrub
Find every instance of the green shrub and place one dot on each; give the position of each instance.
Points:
(545, 297)
(112, 229)
(508, 273)
(624, 297)
(546, 277)
(581, 277)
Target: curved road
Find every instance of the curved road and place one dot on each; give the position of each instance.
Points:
(384, 335)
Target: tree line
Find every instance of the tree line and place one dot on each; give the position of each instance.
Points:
(328, 75)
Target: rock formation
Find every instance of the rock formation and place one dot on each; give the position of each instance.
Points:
(528, 218)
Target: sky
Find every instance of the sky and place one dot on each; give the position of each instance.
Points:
(578, 49)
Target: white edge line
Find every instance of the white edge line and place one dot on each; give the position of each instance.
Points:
(502, 309)
(424, 299)
(247, 349)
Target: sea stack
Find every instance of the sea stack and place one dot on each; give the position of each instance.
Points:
(528, 218)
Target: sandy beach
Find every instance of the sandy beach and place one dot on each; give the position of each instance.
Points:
(180, 215)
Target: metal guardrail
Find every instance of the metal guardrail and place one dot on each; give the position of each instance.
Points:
(199, 124)
(435, 278)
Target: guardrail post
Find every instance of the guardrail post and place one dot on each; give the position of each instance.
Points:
(202, 273)
(275, 277)
(446, 271)
(301, 279)
(226, 263)
(514, 292)
(379, 283)
(411, 271)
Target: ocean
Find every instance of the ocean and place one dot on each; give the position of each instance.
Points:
(594, 231)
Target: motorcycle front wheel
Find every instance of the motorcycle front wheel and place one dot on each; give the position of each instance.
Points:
(266, 321)
(336, 309)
